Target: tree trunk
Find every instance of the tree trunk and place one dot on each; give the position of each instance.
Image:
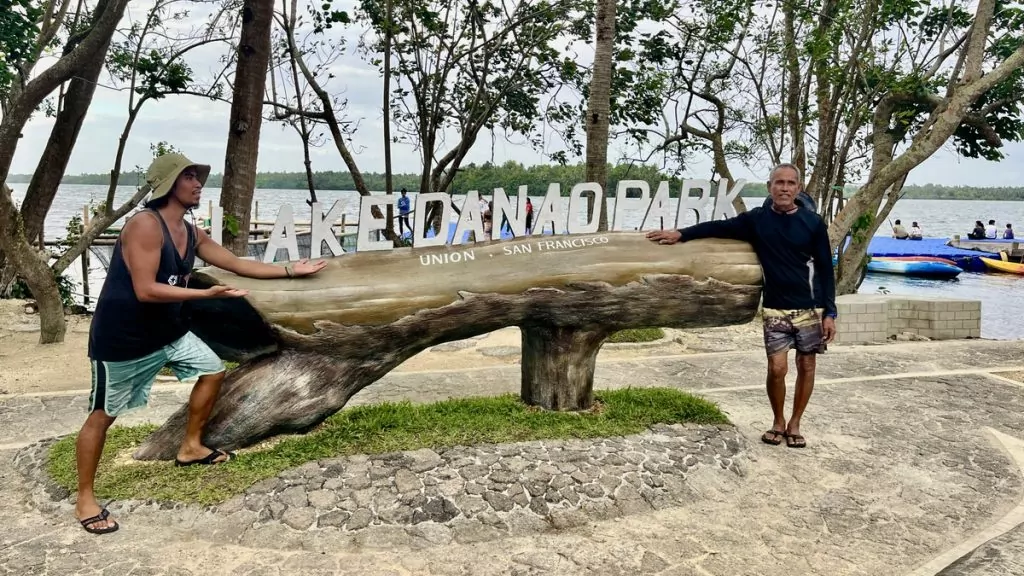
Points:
(386, 111)
(13, 242)
(598, 108)
(246, 119)
(37, 275)
(306, 345)
(792, 93)
(34, 92)
(854, 259)
(96, 227)
(54, 160)
(558, 366)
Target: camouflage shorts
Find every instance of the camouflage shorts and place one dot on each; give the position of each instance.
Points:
(800, 329)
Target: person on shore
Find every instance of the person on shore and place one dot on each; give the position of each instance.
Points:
(915, 232)
(799, 311)
(899, 232)
(1008, 233)
(488, 220)
(138, 326)
(990, 230)
(403, 213)
(979, 231)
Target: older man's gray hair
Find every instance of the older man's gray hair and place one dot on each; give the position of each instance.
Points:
(799, 178)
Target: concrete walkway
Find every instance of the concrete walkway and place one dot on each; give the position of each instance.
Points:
(913, 466)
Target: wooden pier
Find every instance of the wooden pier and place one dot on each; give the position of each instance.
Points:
(1012, 248)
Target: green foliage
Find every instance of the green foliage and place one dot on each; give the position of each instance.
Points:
(376, 429)
(148, 57)
(155, 76)
(231, 224)
(65, 287)
(486, 177)
(465, 67)
(161, 148)
(862, 227)
(481, 177)
(18, 32)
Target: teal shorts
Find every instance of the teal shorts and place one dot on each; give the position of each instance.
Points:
(119, 387)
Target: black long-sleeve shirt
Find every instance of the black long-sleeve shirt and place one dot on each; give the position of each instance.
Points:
(795, 255)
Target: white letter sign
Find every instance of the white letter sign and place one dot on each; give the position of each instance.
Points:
(321, 230)
(470, 220)
(723, 202)
(282, 236)
(419, 237)
(687, 202)
(659, 212)
(503, 211)
(550, 212)
(576, 204)
(363, 241)
(622, 203)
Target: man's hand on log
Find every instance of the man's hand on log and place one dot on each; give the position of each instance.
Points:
(664, 236)
(305, 267)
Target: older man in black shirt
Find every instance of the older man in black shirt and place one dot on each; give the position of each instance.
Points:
(799, 311)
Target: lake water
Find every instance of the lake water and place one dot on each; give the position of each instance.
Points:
(1002, 296)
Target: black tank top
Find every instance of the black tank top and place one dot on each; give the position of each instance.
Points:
(123, 328)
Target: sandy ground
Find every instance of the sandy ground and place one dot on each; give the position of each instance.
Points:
(28, 367)
(1018, 376)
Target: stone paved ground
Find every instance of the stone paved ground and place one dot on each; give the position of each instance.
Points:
(901, 466)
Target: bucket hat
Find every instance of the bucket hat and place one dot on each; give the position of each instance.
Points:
(164, 171)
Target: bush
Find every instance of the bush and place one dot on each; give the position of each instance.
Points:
(65, 286)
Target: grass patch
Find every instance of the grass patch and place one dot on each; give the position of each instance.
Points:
(375, 429)
(165, 371)
(637, 335)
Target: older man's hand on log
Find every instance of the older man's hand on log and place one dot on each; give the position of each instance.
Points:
(664, 236)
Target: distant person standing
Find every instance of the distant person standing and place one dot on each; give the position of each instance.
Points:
(485, 211)
(403, 214)
(529, 216)
(899, 232)
(1008, 233)
(990, 230)
(915, 232)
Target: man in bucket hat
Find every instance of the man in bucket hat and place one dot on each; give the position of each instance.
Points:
(138, 327)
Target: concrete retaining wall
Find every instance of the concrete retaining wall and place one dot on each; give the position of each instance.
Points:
(876, 317)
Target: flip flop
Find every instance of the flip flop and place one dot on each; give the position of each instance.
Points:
(209, 460)
(777, 436)
(103, 515)
(798, 441)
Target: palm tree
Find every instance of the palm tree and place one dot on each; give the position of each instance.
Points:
(599, 105)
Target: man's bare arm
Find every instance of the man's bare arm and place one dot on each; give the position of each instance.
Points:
(141, 241)
(221, 257)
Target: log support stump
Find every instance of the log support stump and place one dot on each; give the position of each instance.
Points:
(558, 366)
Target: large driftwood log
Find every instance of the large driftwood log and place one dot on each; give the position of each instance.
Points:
(306, 345)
